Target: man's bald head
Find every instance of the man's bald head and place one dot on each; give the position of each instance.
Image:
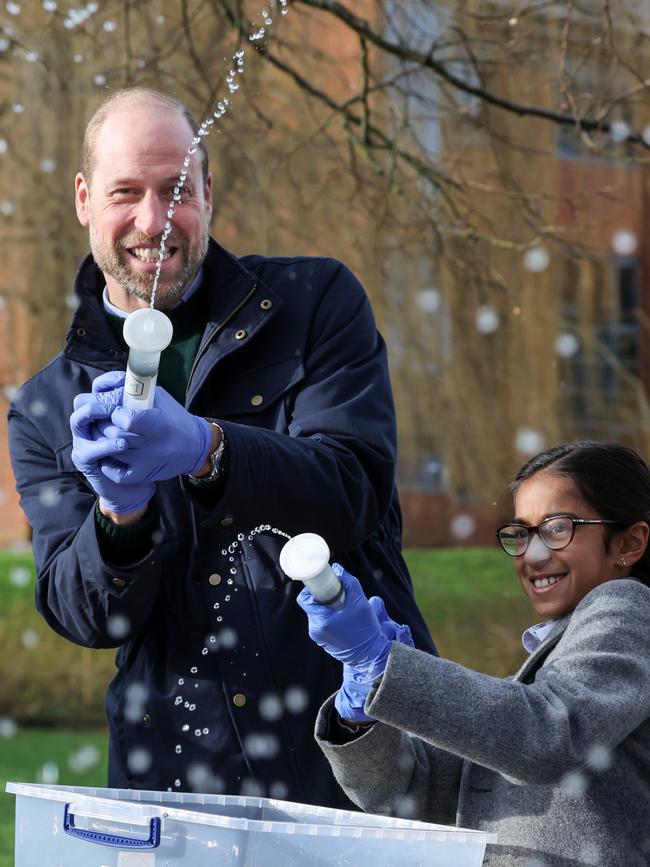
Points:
(127, 98)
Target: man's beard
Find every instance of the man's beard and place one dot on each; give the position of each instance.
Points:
(109, 259)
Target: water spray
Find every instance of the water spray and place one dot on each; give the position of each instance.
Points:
(147, 332)
(306, 558)
(233, 85)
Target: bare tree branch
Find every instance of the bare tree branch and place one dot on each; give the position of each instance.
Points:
(427, 61)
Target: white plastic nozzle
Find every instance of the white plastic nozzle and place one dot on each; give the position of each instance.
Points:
(147, 332)
(306, 558)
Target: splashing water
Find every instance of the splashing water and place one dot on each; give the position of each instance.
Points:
(266, 528)
(233, 85)
(227, 639)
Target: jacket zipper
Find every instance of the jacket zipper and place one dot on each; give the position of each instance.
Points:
(216, 331)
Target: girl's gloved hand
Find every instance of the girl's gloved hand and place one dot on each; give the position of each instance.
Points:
(351, 697)
(352, 634)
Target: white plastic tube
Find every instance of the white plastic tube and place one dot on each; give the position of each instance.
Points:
(147, 332)
(306, 558)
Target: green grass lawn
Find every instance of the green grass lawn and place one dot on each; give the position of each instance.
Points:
(16, 577)
(474, 606)
(470, 599)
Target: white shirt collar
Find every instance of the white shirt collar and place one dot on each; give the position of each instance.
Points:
(534, 635)
(111, 308)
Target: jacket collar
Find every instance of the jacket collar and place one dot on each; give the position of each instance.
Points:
(90, 339)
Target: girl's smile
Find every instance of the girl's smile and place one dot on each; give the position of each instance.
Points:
(555, 581)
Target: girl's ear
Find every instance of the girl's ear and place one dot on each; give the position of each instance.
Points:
(633, 541)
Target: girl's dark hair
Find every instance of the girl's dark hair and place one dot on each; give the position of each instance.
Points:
(612, 479)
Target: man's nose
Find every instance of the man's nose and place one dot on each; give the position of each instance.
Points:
(536, 552)
(151, 215)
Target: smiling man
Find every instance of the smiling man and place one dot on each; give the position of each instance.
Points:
(122, 194)
(273, 407)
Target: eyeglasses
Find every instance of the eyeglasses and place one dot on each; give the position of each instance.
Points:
(555, 532)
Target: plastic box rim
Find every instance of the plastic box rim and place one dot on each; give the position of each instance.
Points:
(106, 804)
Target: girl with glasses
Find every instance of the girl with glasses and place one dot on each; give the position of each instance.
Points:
(555, 760)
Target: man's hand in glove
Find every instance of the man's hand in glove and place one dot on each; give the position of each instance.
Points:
(90, 447)
(163, 442)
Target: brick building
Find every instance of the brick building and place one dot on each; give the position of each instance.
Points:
(463, 392)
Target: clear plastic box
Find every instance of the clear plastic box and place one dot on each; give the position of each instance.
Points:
(70, 826)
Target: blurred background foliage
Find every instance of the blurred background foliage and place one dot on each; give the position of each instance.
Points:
(482, 166)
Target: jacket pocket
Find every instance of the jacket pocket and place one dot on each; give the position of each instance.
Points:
(258, 390)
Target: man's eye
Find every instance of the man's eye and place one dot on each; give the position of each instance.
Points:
(125, 191)
(184, 193)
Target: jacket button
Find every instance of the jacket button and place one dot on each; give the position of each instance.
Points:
(215, 579)
(257, 400)
(239, 335)
(81, 332)
(266, 304)
(146, 719)
(227, 521)
(239, 699)
(118, 582)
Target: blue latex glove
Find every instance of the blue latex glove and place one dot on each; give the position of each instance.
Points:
(352, 634)
(351, 697)
(90, 447)
(163, 442)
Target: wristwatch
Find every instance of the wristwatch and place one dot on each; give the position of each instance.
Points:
(216, 461)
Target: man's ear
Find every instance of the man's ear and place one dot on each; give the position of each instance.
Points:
(82, 199)
(633, 542)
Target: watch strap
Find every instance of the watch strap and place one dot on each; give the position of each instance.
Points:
(216, 458)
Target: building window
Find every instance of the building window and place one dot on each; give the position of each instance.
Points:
(621, 333)
(600, 395)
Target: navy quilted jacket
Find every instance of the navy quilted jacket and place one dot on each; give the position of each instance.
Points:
(218, 684)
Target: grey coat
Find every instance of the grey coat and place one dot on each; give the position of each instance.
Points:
(556, 761)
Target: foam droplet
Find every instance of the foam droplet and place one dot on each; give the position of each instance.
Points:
(529, 441)
(624, 242)
(487, 319)
(536, 260)
(462, 526)
(619, 131)
(566, 345)
(139, 760)
(428, 300)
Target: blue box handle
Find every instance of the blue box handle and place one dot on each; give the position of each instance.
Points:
(112, 839)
